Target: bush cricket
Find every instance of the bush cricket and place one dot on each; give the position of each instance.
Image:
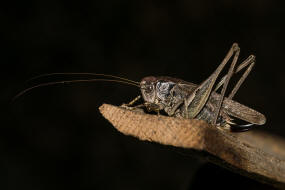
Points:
(179, 98)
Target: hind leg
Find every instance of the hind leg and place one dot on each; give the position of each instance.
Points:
(195, 101)
(249, 63)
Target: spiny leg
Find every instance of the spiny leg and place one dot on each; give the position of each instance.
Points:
(196, 101)
(228, 77)
(250, 61)
(149, 106)
(152, 107)
(133, 101)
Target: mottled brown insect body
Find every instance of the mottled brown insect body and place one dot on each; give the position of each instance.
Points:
(179, 98)
(184, 99)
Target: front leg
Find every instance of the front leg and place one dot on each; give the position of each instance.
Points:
(129, 106)
(131, 103)
(152, 107)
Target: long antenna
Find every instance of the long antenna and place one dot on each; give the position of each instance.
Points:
(70, 81)
(90, 74)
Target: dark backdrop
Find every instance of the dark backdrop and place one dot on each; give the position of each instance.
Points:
(55, 138)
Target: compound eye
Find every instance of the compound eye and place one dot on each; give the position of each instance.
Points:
(148, 89)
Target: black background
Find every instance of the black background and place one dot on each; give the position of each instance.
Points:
(55, 138)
